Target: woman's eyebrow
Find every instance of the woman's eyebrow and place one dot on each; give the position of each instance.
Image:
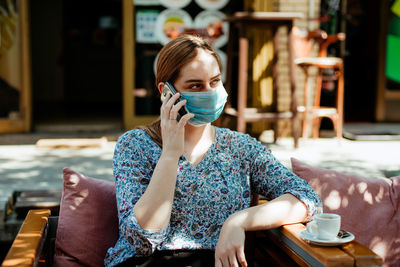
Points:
(199, 80)
(193, 80)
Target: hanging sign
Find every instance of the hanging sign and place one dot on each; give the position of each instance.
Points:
(212, 4)
(213, 19)
(145, 26)
(170, 24)
(175, 3)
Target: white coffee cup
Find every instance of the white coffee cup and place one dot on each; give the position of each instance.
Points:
(325, 226)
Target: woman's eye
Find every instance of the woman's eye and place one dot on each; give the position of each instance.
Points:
(195, 87)
(215, 82)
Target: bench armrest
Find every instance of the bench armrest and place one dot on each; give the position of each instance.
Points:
(27, 246)
(287, 238)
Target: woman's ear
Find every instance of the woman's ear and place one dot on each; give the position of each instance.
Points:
(160, 87)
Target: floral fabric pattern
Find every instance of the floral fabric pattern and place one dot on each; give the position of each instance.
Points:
(205, 195)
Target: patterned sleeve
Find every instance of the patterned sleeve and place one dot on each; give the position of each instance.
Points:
(271, 179)
(132, 171)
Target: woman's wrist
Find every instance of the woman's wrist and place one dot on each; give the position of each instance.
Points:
(237, 219)
(169, 156)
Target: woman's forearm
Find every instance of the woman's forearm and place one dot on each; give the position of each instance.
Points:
(285, 209)
(153, 209)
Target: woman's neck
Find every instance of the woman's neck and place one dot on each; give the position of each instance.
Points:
(194, 134)
(197, 142)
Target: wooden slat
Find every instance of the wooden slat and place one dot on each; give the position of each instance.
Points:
(252, 114)
(25, 248)
(140, 120)
(128, 63)
(12, 125)
(362, 255)
(26, 75)
(72, 143)
(328, 256)
(380, 104)
(392, 95)
(266, 16)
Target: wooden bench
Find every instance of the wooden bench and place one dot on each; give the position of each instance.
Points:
(34, 246)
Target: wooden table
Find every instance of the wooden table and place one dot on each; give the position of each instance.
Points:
(240, 22)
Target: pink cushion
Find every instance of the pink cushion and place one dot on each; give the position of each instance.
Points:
(369, 206)
(88, 221)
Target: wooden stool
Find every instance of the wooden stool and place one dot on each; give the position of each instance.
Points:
(314, 112)
(240, 22)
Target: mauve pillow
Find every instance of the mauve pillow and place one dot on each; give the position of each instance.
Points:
(88, 221)
(369, 206)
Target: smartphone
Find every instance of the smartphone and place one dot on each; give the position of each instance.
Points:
(169, 89)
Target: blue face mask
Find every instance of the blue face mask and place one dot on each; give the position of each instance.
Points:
(206, 106)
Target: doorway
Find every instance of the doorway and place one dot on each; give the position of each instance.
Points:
(76, 63)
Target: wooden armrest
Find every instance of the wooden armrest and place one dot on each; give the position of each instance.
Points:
(25, 250)
(304, 254)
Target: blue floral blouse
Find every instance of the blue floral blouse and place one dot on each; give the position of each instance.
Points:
(206, 194)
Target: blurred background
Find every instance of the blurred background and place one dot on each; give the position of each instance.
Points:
(74, 75)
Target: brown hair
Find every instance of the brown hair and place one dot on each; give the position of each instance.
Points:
(172, 57)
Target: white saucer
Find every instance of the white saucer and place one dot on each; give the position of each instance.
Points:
(327, 243)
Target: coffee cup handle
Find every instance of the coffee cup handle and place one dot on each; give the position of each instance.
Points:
(312, 228)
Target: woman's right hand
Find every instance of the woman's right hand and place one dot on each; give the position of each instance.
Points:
(172, 131)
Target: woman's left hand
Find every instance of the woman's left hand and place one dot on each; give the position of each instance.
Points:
(230, 247)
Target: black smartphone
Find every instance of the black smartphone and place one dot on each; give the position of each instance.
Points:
(169, 89)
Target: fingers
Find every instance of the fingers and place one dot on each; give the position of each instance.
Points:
(175, 108)
(163, 113)
(185, 119)
(169, 111)
(167, 105)
(217, 263)
(234, 259)
(225, 262)
(241, 257)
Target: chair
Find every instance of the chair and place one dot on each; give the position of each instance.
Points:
(314, 112)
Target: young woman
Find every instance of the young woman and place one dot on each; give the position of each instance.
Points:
(183, 186)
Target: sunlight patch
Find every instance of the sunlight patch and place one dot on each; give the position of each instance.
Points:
(368, 197)
(345, 202)
(74, 179)
(333, 200)
(379, 196)
(379, 246)
(362, 187)
(82, 195)
(351, 189)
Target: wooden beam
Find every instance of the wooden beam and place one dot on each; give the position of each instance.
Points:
(362, 255)
(128, 63)
(392, 95)
(140, 120)
(25, 250)
(380, 105)
(12, 125)
(75, 143)
(327, 256)
(26, 75)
